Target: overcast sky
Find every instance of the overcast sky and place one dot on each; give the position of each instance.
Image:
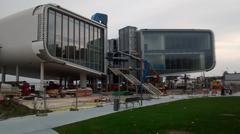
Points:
(221, 16)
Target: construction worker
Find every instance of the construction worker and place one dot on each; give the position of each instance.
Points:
(25, 89)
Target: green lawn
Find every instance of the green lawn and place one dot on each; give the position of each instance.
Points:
(219, 115)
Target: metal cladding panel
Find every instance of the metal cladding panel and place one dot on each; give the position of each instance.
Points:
(16, 35)
(127, 39)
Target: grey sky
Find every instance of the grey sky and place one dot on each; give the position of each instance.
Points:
(221, 16)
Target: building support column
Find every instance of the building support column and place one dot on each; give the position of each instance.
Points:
(42, 85)
(3, 71)
(43, 89)
(83, 80)
(17, 73)
(65, 82)
(60, 81)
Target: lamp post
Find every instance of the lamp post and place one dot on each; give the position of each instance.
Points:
(141, 88)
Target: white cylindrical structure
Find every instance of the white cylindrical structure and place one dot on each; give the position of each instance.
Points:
(25, 41)
(83, 80)
(42, 85)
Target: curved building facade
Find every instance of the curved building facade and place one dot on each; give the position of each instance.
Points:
(178, 50)
(66, 43)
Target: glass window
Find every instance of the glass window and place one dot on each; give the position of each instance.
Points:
(95, 53)
(82, 42)
(187, 41)
(74, 40)
(183, 62)
(90, 47)
(98, 42)
(182, 50)
(86, 45)
(71, 48)
(58, 35)
(77, 45)
(153, 41)
(51, 30)
(101, 47)
(65, 38)
(156, 61)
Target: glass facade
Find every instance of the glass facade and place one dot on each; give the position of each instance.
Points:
(75, 40)
(178, 51)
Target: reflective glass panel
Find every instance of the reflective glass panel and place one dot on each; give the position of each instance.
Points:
(179, 51)
(51, 31)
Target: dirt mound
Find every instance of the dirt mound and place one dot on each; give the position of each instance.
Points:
(10, 108)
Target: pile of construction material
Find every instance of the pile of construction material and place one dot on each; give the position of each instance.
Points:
(82, 92)
(9, 90)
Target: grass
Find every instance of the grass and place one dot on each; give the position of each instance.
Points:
(219, 115)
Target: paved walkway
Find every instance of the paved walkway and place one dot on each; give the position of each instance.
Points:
(43, 125)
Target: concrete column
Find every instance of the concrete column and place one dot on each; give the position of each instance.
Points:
(3, 71)
(17, 73)
(83, 80)
(42, 84)
(65, 82)
(60, 81)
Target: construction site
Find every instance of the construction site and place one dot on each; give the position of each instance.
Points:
(79, 67)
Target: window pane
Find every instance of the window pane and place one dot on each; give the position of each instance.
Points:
(95, 48)
(74, 40)
(99, 50)
(86, 45)
(51, 31)
(65, 38)
(194, 41)
(101, 45)
(153, 41)
(82, 42)
(71, 47)
(58, 35)
(77, 45)
(182, 50)
(90, 47)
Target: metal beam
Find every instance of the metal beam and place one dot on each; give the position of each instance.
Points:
(17, 73)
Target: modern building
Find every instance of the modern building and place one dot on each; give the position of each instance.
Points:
(140, 57)
(231, 79)
(54, 42)
(168, 51)
(178, 50)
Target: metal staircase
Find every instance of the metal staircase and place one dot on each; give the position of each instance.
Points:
(116, 71)
(133, 80)
(153, 89)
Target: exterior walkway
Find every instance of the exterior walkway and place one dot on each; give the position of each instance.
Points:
(43, 125)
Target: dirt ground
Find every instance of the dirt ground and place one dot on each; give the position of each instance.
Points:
(67, 102)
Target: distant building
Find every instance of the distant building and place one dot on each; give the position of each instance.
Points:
(231, 79)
